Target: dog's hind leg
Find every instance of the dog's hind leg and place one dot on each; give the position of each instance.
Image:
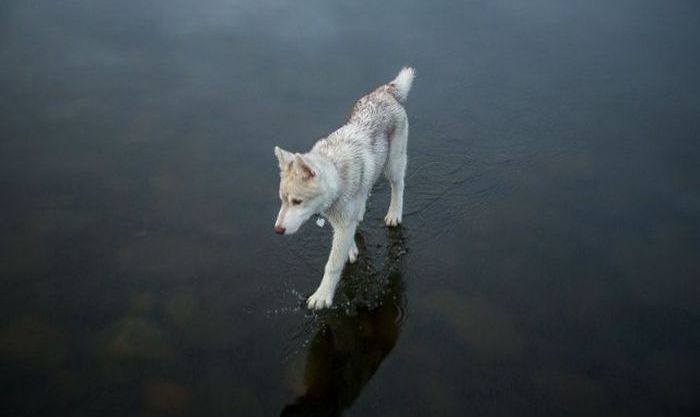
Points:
(361, 209)
(352, 254)
(395, 171)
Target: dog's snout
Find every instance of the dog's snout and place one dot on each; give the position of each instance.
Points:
(279, 230)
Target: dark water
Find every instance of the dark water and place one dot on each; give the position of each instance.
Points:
(548, 264)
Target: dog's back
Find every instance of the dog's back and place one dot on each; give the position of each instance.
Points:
(362, 146)
(379, 111)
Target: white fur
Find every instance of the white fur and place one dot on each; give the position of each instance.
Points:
(334, 178)
(403, 83)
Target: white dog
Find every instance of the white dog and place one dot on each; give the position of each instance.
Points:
(335, 178)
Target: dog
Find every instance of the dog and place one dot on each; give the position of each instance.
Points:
(335, 177)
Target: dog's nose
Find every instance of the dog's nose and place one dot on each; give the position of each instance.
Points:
(279, 230)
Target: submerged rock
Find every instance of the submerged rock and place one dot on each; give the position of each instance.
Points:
(136, 338)
(34, 341)
(182, 309)
(485, 328)
(166, 397)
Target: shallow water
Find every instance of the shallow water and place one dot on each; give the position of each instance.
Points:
(548, 260)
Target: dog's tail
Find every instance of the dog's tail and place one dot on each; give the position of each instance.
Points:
(401, 85)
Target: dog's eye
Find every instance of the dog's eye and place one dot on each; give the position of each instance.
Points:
(296, 201)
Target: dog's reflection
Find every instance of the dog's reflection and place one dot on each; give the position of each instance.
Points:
(347, 350)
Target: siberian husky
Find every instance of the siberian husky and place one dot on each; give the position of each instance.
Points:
(335, 178)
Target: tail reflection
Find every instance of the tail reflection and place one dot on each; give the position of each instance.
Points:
(346, 350)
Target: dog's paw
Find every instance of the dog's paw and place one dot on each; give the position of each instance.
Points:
(352, 254)
(392, 219)
(319, 300)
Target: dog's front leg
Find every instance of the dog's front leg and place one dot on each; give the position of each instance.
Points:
(343, 238)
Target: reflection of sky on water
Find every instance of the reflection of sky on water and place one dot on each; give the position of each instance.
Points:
(551, 227)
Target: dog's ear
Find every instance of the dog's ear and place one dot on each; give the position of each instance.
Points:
(284, 158)
(305, 169)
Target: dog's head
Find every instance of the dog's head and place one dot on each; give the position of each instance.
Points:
(300, 191)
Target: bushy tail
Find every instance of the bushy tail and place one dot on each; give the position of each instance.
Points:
(402, 84)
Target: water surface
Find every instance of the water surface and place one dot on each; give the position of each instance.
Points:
(547, 264)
